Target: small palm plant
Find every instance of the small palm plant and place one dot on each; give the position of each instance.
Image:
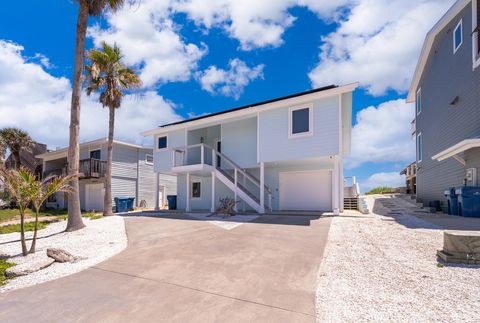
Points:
(107, 75)
(15, 140)
(27, 190)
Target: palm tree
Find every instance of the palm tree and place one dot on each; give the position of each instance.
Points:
(87, 8)
(39, 191)
(108, 76)
(27, 189)
(15, 140)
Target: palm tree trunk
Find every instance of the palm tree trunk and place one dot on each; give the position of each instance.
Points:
(74, 214)
(107, 209)
(34, 239)
(22, 234)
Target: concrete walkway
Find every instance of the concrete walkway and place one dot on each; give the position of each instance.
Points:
(179, 269)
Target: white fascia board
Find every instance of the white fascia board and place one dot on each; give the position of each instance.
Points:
(60, 153)
(428, 43)
(253, 110)
(457, 149)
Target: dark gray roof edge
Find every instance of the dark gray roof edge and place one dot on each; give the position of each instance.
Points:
(329, 87)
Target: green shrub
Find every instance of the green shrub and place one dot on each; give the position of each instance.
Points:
(28, 227)
(4, 265)
(382, 190)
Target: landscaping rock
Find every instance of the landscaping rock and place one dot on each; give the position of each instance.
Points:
(60, 255)
(28, 267)
(4, 256)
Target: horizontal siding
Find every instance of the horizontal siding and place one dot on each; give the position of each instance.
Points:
(442, 125)
(239, 142)
(274, 144)
(163, 159)
(124, 161)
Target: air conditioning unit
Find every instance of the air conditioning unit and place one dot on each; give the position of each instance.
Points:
(471, 177)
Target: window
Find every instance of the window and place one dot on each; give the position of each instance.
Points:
(96, 154)
(457, 37)
(300, 121)
(419, 147)
(476, 33)
(196, 189)
(162, 142)
(52, 198)
(149, 159)
(418, 102)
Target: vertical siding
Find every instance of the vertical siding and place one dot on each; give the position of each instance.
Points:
(441, 124)
(274, 144)
(239, 142)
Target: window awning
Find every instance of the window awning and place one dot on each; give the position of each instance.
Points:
(457, 149)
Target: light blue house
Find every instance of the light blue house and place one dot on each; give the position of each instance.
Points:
(278, 155)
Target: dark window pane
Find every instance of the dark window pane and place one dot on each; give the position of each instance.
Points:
(300, 121)
(196, 189)
(162, 142)
(149, 159)
(95, 154)
(458, 36)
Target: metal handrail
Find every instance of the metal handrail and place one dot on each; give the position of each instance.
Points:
(216, 153)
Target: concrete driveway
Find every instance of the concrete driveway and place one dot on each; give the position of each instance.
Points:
(180, 269)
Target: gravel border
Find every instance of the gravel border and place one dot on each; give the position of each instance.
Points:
(98, 241)
(384, 268)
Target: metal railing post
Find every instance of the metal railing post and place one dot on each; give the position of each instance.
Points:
(202, 154)
(235, 207)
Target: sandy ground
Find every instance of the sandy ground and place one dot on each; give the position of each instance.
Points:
(384, 268)
(98, 241)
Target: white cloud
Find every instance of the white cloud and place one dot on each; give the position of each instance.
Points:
(253, 23)
(377, 44)
(230, 82)
(36, 101)
(382, 134)
(392, 179)
(150, 41)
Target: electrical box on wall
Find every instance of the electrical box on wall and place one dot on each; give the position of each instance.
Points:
(471, 177)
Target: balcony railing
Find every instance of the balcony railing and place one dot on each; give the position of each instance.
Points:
(88, 168)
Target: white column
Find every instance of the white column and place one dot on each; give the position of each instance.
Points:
(187, 208)
(157, 191)
(235, 191)
(336, 185)
(262, 187)
(342, 184)
(213, 192)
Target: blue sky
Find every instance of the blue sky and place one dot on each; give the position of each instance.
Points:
(196, 59)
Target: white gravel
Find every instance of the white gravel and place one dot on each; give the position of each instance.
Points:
(98, 241)
(376, 269)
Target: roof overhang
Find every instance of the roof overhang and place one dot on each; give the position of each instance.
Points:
(60, 153)
(254, 109)
(457, 149)
(427, 45)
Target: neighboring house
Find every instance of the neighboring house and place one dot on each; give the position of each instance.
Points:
(281, 154)
(445, 89)
(28, 158)
(132, 175)
(410, 173)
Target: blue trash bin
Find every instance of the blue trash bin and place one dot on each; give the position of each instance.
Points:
(452, 201)
(130, 203)
(468, 201)
(121, 204)
(172, 202)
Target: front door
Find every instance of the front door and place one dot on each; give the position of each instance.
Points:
(94, 197)
(219, 149)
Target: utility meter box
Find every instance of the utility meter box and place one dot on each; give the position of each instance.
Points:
(471, 177)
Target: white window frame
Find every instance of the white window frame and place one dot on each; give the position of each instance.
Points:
(151, 155)
(156, 143)
(291, 135)
(419, 94)
(192, 181)
(459, 25)
(95, 149)
(475, 36)
(419, 147)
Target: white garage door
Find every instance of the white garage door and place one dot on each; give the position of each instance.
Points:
(309, 191)
(94, 197)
